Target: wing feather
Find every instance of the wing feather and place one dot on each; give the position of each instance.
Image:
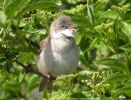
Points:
(43, 43)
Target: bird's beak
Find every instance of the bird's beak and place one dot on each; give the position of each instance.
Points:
(68, 32)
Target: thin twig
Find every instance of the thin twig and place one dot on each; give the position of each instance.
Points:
(28, 68)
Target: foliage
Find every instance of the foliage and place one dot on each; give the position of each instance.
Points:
(103, 35)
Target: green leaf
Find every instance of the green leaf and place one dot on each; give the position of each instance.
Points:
(126, 47)
(12, 7)
(109, 14)
(27, 57)
(2, 19)
(116, 77)
(114, 64)
(78, 38)
(32, 82)
(123, 90)
(78, 95)
(21, 77)
(15, 86)
(42, 5)
(90, 14)
(127, 29)
(46, 94)
(11, 10)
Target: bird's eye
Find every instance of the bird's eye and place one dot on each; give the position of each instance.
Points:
(63, 27)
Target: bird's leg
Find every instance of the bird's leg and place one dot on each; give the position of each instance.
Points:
(46, 83)
(50, 79)
(50, 76)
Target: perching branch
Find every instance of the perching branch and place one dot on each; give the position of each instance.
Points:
(28, 68)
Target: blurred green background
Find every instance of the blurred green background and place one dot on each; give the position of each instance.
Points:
(103, 36)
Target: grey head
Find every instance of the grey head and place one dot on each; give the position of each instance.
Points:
(62, 26)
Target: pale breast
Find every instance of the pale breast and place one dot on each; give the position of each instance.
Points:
(57, 61)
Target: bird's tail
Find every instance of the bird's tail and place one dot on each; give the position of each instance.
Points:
(46, 84)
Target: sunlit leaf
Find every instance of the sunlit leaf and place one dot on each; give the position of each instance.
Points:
(12, 7)
(127, 29)
(114, 64)
(116, 77)
(21, 77)
(43, 5)
(109, 14)
(2, 19)
(90, 14)
(11, 10)
(26, 56)
(32, 82)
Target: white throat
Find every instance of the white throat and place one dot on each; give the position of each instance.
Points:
(61, 34)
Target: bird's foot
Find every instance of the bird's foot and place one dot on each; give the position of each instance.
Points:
(50, 76)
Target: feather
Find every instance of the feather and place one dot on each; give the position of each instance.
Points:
(46, 83)
(43, 43)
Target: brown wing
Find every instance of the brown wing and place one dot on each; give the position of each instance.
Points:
(43, 43)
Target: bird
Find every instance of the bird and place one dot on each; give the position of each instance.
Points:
(59, 54)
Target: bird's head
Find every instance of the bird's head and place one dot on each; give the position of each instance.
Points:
(62, 27)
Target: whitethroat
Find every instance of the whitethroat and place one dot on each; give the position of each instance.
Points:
(59, 53)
